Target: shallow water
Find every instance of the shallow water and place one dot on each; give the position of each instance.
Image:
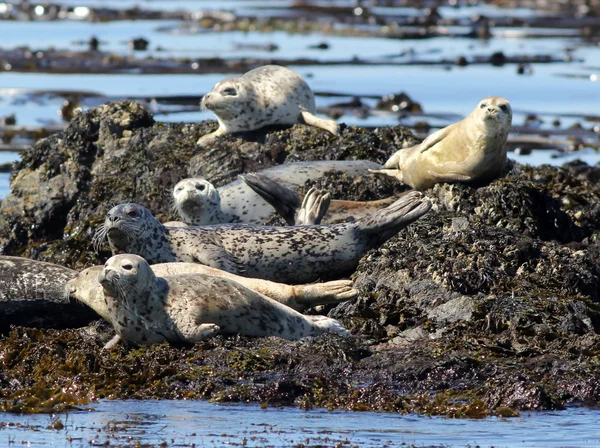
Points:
(183, 423)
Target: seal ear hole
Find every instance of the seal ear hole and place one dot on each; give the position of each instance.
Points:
(229, 91)
(127, 267)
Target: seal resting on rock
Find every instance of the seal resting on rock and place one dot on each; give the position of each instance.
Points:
(284, 254)
(31, 295)
(199, 203)
(268, 95)
(86, 289)
(146, 309)
(472, 150)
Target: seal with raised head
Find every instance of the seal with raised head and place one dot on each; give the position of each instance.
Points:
(472, 150)
(86, 289)
(283, 254)
(268, 95)
(146, 309)
(199, 203)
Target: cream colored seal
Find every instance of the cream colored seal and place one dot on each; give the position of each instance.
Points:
(472, 150)
(268, 95)
(146, 309)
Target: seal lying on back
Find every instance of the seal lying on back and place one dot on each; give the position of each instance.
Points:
(31, 295)
(199, 203)
(146, 309)
(472, 150)
(268, 95)
(86, 289)
(283, 254)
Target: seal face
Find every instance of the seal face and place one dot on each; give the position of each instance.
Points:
(198, 202)
(267, 95)
(472, 150)
(146, 309)
(284, 254)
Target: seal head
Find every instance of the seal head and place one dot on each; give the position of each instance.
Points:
(197, 201)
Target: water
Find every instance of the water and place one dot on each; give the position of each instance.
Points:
(183, 423)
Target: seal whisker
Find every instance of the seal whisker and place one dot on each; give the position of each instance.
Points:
(99, 237)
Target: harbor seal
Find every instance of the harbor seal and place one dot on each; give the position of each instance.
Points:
(268, 95)
(31, 295)
(471, 151)
(146, 309)
(86, 289)
(282, 254)
(199, 203)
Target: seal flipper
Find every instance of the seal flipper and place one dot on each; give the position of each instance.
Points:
(313, 294)
(450, 177)
(314, 207)
(283, 199)
(383, 224)
(313, 120)
(211, 253)
(201, 332)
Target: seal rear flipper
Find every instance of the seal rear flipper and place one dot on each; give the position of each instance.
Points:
(396, 173)
(283, 199)
(313, 120)
(384, 224)
(314, 207)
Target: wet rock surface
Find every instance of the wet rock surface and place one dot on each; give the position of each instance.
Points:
(487, 305)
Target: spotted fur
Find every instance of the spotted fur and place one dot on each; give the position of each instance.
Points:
(146, 309)
(284, 254)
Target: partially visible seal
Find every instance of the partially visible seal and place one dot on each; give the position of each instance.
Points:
(32, 295)
(199, 203)
(283, 254)
(316, 206)
(472, 150)
(86, 289)
(268, 95)
(146, 309)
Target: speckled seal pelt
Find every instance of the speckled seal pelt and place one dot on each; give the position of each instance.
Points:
(284, 254)
(268, 95)
(199, 203)
(146, 309)
(472, 150)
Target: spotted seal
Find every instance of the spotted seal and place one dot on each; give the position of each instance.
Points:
(283, 254)
(199, 203)
(472, 150)
(146, 309)
(315, 207)
(86, 289)
(268, 95)
(31, 295)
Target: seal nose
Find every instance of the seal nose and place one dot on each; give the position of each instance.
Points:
(113, 218)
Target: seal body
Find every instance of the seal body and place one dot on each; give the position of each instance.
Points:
(268, 95)
(32, 295)
(472, 150)
(146, 309)
(199, 203)
(284, 254)
(86, 288)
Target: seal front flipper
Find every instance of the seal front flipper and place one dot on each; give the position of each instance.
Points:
(200, 332)
(314, 207)
(313, 120)
(283, 199)
(450, 177)
(210, 252)
(112, 343)
(436, 137)
(209, 139)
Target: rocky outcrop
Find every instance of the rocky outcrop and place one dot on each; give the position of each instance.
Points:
(488, 304)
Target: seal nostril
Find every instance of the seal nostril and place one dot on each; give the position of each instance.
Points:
(200, 187)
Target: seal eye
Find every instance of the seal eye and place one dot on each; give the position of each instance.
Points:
(132, 214)
(504, 108)
(127, 267)
(200, 187)
(483, 105)
(229, 91)
(179, 189)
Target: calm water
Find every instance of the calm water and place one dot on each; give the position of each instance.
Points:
(182, 423)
